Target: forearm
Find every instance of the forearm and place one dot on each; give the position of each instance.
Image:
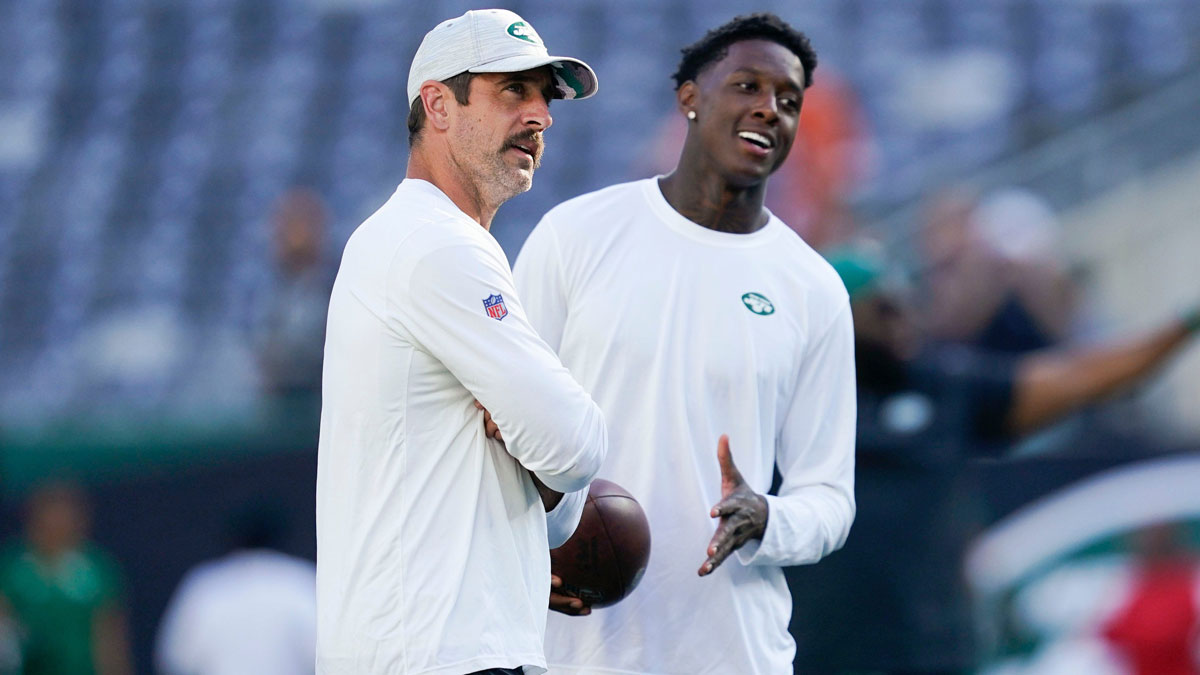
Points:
(811, 516)
(1052, 384)
(549, 423)
(564, 456)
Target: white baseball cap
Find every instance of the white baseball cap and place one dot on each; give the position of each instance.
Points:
(493, 41)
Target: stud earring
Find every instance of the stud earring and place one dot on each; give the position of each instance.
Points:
(691, 115)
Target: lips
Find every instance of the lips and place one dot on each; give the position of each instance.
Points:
(761, 140)
(757, 142)
(528, 144)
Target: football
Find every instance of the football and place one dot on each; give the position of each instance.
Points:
(605, 559)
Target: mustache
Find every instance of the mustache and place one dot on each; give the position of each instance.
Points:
(530, 139)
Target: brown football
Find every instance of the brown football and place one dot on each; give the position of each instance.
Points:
(605, 558)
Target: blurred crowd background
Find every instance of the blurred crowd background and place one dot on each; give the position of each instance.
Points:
(177, 179)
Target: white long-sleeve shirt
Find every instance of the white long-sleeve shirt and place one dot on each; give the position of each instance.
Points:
(683, 333)
(432, 541)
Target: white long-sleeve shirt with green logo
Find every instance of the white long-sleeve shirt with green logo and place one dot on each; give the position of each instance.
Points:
(682, 333)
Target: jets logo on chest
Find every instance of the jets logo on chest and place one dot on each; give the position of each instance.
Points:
(758, 303)
(494, 305)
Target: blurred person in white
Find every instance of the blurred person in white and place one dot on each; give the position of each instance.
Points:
(707, 331)
(254, 610)
(993, 275)
(449, 428)
(290, 333)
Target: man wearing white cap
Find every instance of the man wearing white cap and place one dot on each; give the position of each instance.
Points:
(449, 429)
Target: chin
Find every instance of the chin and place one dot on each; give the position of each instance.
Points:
(522, 183)
(747, 177)
(512, 184)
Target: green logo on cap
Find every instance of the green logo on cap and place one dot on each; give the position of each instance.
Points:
(758, 303)
(523, 31)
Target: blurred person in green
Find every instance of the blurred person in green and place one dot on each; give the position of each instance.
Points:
(62, 593)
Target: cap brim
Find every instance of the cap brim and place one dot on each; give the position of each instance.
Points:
(573, 79)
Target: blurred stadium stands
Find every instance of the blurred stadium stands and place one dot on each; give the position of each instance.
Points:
(142, 144)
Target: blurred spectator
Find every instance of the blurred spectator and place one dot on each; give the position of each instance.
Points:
(830, 158)
(291, 330)
(1134, 613)
(993, 275)
(1157, 628)
(251, 611)
(894, 599)
(63, 592)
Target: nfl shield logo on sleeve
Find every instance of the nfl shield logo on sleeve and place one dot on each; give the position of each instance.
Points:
(494, 304)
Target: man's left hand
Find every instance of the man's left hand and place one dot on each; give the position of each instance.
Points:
(743, 512)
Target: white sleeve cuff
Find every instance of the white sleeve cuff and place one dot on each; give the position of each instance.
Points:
(758, 551)
(562, 520)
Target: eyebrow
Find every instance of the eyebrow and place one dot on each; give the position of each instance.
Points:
(761, 73)
(532, 77)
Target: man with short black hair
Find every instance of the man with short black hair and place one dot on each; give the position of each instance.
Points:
(449, 429)
(698, 319)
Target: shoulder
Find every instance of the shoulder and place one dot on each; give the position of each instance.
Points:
(582, 227)
(810, 270)
(432, 242)
(262, 563)
(103, 561)
(289, 565)
(414, 217)
(577, 213)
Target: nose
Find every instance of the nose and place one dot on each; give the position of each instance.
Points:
(537, 114)
(766, 108)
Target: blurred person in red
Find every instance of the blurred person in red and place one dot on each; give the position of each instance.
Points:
(253, 610)
(63, 592)
(993, 276)
(290, 335)
(1157, 627)
(830, 157)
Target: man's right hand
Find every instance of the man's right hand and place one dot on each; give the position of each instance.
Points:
(489, 426)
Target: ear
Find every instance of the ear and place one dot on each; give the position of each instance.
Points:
(435, 96)
(687, 96)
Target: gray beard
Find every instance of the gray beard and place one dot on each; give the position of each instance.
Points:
(494, 180)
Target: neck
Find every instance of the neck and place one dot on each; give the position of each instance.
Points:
(709, 199)
(448, 177)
